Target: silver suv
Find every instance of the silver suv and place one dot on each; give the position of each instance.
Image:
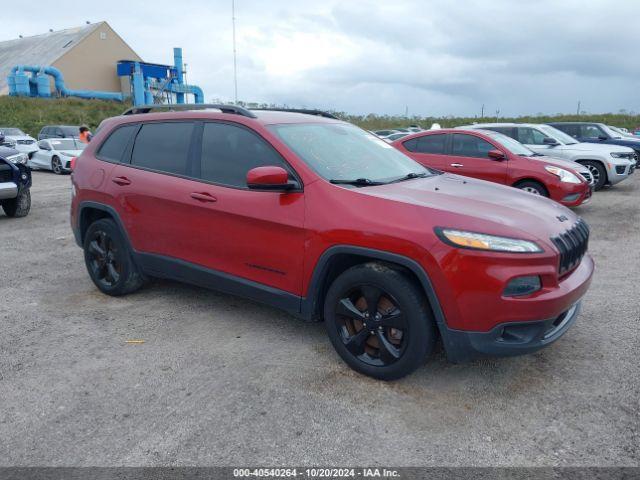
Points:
(608, 164)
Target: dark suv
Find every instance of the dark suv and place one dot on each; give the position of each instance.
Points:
(598, 133)
(326, 221)
(59, 131)
(15, 182)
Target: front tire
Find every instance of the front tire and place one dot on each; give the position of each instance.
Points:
(378, 321)
(56, 166)
(109, 261)
(598, 173)
(531, 186)
(19, 206)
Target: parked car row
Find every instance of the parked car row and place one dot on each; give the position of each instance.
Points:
(391, 135)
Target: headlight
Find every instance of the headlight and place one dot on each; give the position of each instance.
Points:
(481, 241)
(564, 175)
(18, 158)
(621, 155)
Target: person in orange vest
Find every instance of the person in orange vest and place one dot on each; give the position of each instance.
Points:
(85, 134)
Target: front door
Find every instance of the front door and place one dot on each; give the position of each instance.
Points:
(469, 156)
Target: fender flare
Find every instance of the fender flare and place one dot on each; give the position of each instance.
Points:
(78, 231)
(310, 304)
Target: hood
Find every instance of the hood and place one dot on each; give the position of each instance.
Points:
(558, 162)
(594, 147)
(474, 204)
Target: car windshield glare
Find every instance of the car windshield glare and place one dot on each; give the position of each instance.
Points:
(558, 135)
(12, 131)
(337, 151)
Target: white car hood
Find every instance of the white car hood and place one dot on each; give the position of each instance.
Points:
(593, 147)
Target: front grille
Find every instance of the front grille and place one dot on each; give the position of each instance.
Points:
(572, 246)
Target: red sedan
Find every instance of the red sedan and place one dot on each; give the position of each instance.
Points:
(497, 158)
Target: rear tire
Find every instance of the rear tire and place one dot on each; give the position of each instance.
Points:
(19, 206)
(598, 173)
(109, 261)
(533, 187)
(378, 321)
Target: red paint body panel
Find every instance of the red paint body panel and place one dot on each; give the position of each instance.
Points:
(510, 171)
(276, 239)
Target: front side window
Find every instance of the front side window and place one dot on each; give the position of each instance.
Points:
(591, 131)
(557, 135)
(229, 152)
(338, 151)
(114, 147)
(163, 147)
(66, 144)
(572, 130)
(530, 136)
(470, 146)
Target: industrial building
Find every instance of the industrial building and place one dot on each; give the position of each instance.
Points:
(91, 61)
(87, 56)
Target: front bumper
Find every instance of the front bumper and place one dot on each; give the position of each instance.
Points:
(618, 172)
(8, 190)
(509, 339)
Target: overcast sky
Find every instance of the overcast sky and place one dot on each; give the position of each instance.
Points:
(432, 57)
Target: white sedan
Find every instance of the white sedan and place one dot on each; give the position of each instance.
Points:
(56, 153)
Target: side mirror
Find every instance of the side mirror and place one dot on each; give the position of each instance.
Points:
(496, 155)
(552, 142)
(269, 178)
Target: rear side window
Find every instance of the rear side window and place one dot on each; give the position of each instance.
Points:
(590, 131)
(572, 130)
(163, 147)
(229, 152)
(470, 146)
(116, 144)
(434, 144)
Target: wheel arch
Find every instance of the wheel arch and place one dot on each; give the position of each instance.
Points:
(582, 161)
(338, 259)
(520, 181)
(89, 212)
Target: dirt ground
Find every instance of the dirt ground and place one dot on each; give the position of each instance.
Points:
(223, 381)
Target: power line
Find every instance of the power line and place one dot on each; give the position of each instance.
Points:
(235, 64)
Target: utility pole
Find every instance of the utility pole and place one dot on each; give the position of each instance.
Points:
(482, 111)
(578, 111)
(497, 114)
(235, 64)
(406, 111)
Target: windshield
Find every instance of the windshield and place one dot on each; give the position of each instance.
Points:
(615, 132)
(73, 131)
(510, 144)
(67, 144)
(337, 151)
(12, 131)
(557, 135)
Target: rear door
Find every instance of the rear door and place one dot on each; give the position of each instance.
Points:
(469, 157)
(429, 150)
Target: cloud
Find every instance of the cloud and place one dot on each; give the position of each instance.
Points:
(434, 57)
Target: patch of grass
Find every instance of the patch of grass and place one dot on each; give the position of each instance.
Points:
(31, 114)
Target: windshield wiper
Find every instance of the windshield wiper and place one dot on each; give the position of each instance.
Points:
(410, 176)
(359, 182)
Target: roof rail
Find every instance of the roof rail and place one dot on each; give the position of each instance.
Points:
(319, 113)
(181, 107)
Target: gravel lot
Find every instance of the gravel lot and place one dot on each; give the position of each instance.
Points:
(222, 381)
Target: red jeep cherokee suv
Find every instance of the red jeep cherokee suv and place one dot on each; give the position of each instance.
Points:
(326, 221)
(494, 157)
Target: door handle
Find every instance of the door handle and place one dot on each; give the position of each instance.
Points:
(204, 197)
(121, 181)
(457, 165)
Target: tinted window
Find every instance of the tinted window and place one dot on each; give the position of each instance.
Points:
(229, 152)
(470, 146)
(530, 136)
(590, 131)
(572, 130)
(163, 147)
(411, 145)
(114, 147)
(431, 144)
(70, 131)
